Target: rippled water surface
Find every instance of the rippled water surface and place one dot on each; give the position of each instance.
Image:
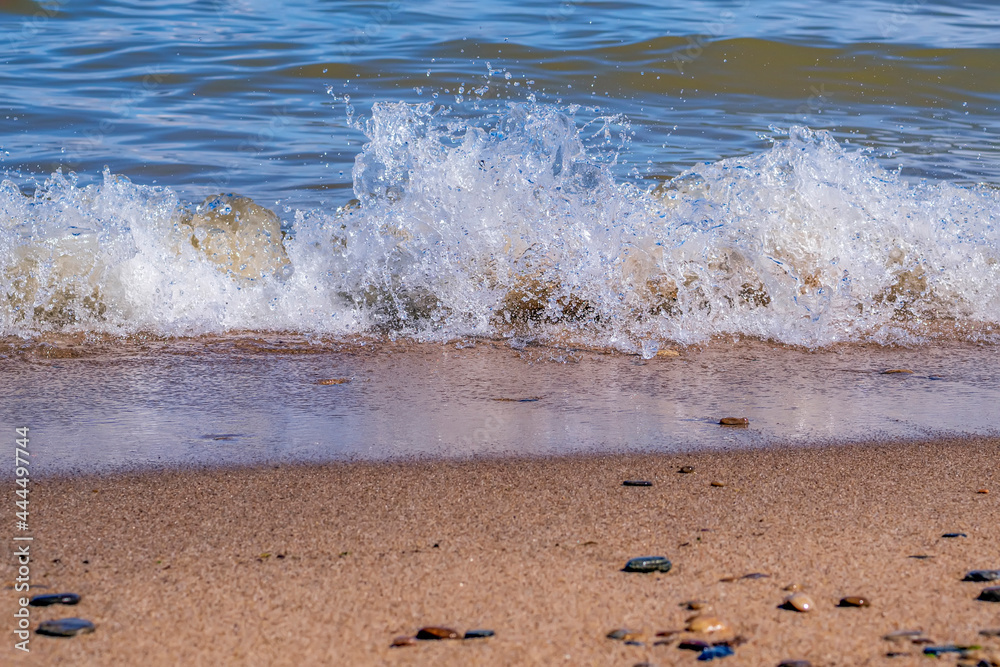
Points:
(619, 174)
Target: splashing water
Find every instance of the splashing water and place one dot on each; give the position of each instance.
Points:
(515, 226)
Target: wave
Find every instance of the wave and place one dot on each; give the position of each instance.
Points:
(515, 226)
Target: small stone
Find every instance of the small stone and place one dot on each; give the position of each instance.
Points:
(990, 632)
(667, 353)
(636, 482)
(705, 624)
(648, 564)
(794, 663)
(693, 645)
(991, 594)
(668, 633)
(54, 598)
(921, 640)
(633, 642)
(695, 605)
(892, 371)
(793, 588)
(855, 601)
(623, 635)
(478, 634)
(983, 491)
(437, 633)
(334, 381)
(713, 652)
(982, 575)
(920, 556)
(937, 651)
(720, 484)
(898, 635)
(686, 469)
(954, 535)
(756, 575)
(403, 641)
(799, 602)
(65, 627)
(734, 421)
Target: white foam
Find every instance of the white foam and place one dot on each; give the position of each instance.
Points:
(516, 227)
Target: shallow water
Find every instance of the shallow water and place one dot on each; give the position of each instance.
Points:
(258, 401)
(621, 175)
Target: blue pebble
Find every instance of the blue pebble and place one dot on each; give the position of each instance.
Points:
(713, 652)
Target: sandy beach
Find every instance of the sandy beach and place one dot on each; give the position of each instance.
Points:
(327, 564)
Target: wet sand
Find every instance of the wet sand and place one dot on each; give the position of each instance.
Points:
(326, 564)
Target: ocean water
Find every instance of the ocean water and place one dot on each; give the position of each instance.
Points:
(625, 176)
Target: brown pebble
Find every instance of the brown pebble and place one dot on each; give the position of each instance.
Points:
(668, 353)
(855, 601)
(718, 484)
(891, 371)
(335, 381)
(705, 624)
(983, 491)
(990, 632)
(898, 635)
(734, 421)
(404, 641)
(437, 633)
(694, 605)
(668, 633)
(793, 588)
(794, 663)
(686, 469)
(799, 602)
(624, 635)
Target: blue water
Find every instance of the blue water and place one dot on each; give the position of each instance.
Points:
(625, 175)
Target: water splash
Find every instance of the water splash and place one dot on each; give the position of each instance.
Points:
(513, 225)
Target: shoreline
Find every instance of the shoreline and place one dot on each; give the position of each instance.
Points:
(327, 563)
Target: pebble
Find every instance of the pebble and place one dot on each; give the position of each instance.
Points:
(718, 484)
(623, 634)
(890, 371)
(693, 645)
(937, 651)
(403, 641)
(686, 469)
(636, 482)
(65, 627)
(799, 602)
(437, 633)
(54, 598)
(991, 594)
(983, 491)
(991, 632)
(793, 588)
(695, 605)
(734, 421)
(855, 601)
(334, 381)
(705, 624)
(478, 634)
(713, 652)
(794, 663)
(898, 635)
(977, 575)
(648, 564)
(954, 535)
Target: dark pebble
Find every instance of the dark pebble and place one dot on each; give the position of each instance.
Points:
(755, 575)
(686, 469)
(896, 654)
(954, 535)
(648, 564)
(636, 482)
(991, 632)
(632, 642)
(920, 556)
(734, 421)
(478, 634)
(982, 575)
(437, 633)
(795, 663)
(54, 598)
(714, 652)
(65, 627)
(991, 594)
(941, 650)
(622, 634)
(855, 601)
(693, 645)
(903, 634)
